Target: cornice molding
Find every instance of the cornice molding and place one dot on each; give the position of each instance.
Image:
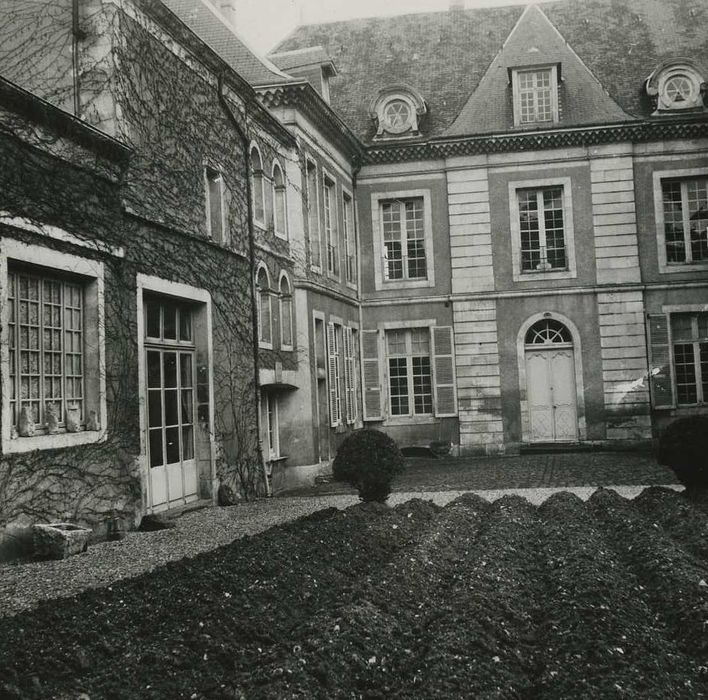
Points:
(305, 97)
(635, 132)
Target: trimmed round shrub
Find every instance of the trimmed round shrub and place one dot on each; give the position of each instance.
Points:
(683, 446)
(369, 460)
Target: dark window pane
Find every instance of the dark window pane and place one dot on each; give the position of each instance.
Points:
(187, 406)
(170, 369)
(155, 408)
(188, 442)
(171, 417)
(172, 445)
(169, 331)
(185, 324)
(186, 378)
(152, 319)
(156, 448)
(153, 369)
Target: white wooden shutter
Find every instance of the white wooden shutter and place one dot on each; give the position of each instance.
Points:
(662, 394)
(332, 375)
(371, 375)
(349, 395)
(444, 368)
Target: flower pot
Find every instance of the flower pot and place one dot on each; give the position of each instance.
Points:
(60, 540)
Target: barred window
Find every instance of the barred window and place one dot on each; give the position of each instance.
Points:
(685, 205)
(46, 346)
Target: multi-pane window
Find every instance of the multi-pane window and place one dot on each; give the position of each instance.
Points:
(535, 99)
(349, 239)
(541, 231)
(313, 217)
(402, 222)
(279, 206)
(265, 325)
(409, 369)
(330, 226)
(258, 183)
(689, 334)
(46, 341)
(286, 314)
(216, 223)
(686, 219)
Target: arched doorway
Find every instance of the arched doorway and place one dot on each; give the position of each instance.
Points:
(550, 382)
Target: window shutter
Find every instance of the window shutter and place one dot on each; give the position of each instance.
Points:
(444, 365)
(349, 397)
(332, 375)
(371, 375)
(662, 394)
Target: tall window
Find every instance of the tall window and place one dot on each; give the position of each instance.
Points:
(541, 229)
(349, 239)
(409, 369)
(330, 226)
(313, 215)
(265, 323)
(258, 183)
(216, 209)
(279, 208)
(46, 348)
(685, 205)
(334, 372)
(402, 223)
(535, 96)
(689, 335)
(286, 314)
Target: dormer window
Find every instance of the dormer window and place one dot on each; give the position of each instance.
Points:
(675, 85)
(397, 111)
(535, 95)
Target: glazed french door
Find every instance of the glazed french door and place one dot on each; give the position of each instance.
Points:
(170, 375)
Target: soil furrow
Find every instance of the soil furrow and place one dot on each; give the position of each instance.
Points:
(480, 643)
(678, 515)
(365, 645)
(198, 619)
(672, 581)
(599, 636)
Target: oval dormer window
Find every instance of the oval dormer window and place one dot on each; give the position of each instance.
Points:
(676, 84)
(397, 111)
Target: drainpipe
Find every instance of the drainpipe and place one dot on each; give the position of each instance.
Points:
(76, 36)
(252, 260)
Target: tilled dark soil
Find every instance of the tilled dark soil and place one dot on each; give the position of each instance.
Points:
(601, 599)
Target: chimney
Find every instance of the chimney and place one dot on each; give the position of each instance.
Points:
(457, 5)
(228, 11)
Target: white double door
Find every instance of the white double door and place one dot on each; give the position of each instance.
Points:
(552, 398)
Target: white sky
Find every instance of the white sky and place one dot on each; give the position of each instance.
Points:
(264, 22)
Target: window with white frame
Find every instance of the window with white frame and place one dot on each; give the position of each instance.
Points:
(313, 215)
(265, 320)
(409, 371)
(330, 226)
(258, 185)
(216, 205)
(403, 228)
(334, 372)
(689, 338)
(535, 95)
(286, 314)
(685, 209)
(541, 229)
(279, 202)
(53, 361)
(349, 237)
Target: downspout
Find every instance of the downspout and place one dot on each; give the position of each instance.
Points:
(252, 260)
(76, 36)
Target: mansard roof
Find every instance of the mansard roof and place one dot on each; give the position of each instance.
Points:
(610, 47)
(202, 18)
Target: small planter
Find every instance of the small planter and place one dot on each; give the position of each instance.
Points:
(60, 540)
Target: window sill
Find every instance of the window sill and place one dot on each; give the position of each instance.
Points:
(532, 275)
(670, 268)
(410, 420)
(281, 235)
(52, 442)
(404, 284)
(265, 346)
